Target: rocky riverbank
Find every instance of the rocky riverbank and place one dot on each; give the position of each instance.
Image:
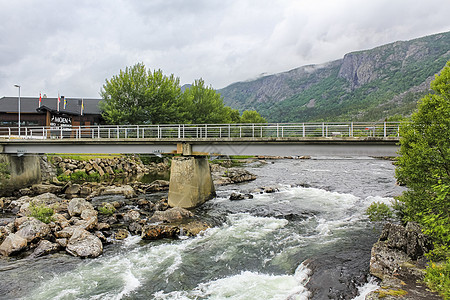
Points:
(80, 224)
(398, 260)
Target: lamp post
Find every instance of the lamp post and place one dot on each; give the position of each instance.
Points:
(18, 86)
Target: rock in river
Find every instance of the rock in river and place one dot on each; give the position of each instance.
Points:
(84, 244)
(12, 243)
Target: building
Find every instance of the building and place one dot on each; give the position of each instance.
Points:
(77, 112)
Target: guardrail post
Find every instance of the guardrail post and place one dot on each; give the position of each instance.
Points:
(61, 132)
(277, 130)
(118, 132)
(159, 133)
(351, 130)
(385, 129)
(253, 130)
(206, 130)
(229, 131)
(323, 129)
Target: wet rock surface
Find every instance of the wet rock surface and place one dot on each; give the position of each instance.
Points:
(397, 258)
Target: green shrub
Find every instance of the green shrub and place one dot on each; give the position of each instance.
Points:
(94, 177)
(4, 170)
(63, 177)
(379, 211)
(106, 209)
(41, 212)
(437, 277)
(78, 177)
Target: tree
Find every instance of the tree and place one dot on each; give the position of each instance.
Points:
(138, 96)
(203, 105)
(424, 162)
(252, 116)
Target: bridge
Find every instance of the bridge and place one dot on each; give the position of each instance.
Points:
(281, 139)
(190, 180)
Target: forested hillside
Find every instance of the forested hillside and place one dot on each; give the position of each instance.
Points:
(363, 86)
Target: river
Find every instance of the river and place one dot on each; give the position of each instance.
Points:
(308, 240)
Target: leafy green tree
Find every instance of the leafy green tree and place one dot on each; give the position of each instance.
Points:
(235, 116)
(252, 116)
(203, 105)
(140, 96)
(424, 162)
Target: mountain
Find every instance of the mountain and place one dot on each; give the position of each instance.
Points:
(365, 85)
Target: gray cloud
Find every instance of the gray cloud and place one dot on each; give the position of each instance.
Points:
(73, 46)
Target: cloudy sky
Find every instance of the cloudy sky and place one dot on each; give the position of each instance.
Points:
(72, 46)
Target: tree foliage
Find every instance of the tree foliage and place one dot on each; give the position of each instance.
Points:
(424, 162)
(203, 105)
(138, 96)
(252, 116)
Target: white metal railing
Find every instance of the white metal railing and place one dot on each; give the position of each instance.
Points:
(209, 131)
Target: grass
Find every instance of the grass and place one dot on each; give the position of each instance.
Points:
(391, 292)
(437, 278)
(83, 157)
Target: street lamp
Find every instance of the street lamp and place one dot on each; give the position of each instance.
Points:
(18, 86)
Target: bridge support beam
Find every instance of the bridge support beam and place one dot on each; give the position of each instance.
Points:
(191, 182)
(184, 149)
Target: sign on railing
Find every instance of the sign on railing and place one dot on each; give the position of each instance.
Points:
(208, 131)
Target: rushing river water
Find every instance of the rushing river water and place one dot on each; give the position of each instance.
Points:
(310, 239)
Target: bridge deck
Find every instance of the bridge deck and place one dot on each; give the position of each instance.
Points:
(373, 139)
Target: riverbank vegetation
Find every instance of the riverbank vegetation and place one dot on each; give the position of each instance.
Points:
(424, 167)
(139, 96)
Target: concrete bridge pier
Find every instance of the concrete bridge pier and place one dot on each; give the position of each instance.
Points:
(17, 172)
(191, 182)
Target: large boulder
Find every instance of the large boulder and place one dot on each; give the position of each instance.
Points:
(12, 243)
(175, 214)
(84, 244)
(46, 199)
(66, 232)
(409, 239)
(73, 190)
(398, 259)
(77, 205)
(193, 228)
(159, 231)
(43, 188)
(45, 247)
(33, 230)
(125, 190)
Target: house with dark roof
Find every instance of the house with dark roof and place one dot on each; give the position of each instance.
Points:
(76, 112)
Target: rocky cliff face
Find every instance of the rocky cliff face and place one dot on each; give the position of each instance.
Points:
(360, 68)
(350, 88)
